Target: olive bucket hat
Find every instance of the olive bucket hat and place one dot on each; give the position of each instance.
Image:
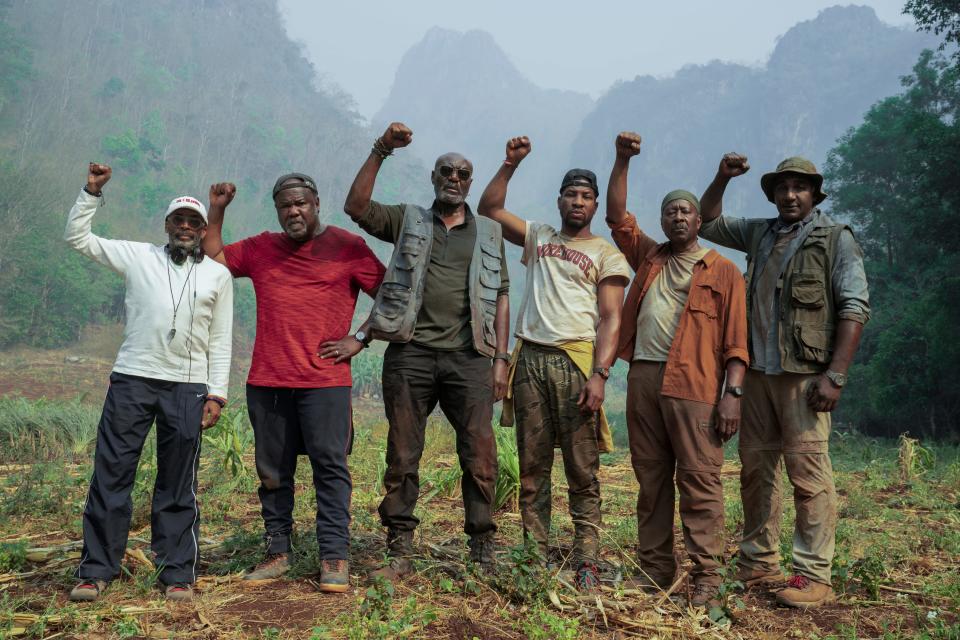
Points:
(795, 165)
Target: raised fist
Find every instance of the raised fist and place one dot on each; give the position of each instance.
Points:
(518, 149)
(628, 144)
(733, 165)
(397, 135)
(221, 194)
(97, 176)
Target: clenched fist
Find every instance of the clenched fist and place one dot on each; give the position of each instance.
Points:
(97, 176)
(221, 194)
(518, 148)
(628, 144)
(396, 136)
(733, 165)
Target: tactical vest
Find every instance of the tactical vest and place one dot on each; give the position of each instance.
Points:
(807, 313)
(398, 301)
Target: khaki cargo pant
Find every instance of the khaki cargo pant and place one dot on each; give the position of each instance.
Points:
(666, 434)
(546, 386)
(778, 424)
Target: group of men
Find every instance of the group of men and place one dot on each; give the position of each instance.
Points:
(700, 340)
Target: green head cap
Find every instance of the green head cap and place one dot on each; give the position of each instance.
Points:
(680, 194)
(796, 166)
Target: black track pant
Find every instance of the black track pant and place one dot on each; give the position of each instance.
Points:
(132, 405)
(319, 422)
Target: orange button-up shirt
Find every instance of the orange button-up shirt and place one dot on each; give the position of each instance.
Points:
(713, 325)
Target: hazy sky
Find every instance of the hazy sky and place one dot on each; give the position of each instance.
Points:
(585, 46)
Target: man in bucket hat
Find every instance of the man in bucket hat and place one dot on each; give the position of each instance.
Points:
(172, 368)
(807, 303)
(307, 280)
(684, 331)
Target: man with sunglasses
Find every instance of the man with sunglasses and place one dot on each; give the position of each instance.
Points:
(307, 280)
(172, 368)
(444, 307)
(567, 338)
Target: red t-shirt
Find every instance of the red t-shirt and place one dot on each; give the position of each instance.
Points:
(306, 295)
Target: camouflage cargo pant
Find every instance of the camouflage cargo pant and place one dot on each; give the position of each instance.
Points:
(546, 386)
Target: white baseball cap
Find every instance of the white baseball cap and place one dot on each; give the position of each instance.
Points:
(187, 202)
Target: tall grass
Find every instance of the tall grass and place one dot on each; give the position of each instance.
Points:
(33, 430)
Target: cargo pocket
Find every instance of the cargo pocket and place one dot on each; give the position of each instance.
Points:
(812, 344)
(710, 453)
(394, 300)
(807, 291)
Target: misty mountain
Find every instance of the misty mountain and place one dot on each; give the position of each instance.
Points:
(821, 78)
(174, 95)
(460, 92)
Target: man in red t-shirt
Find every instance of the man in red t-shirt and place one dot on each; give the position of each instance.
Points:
(307, 280)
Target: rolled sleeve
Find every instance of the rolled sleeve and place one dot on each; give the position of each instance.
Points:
(727, 231)
(632, 242)
(382, 221)
(849, 280)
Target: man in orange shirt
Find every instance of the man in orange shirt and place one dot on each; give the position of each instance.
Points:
(684, 328)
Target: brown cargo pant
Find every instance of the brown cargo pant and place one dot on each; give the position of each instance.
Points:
(667, 433)
(546, 386)
(777, 422)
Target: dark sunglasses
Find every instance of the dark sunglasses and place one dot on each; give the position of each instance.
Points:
(446, 171)
(178, 220)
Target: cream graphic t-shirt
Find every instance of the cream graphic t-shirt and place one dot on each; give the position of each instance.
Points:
(560, 302)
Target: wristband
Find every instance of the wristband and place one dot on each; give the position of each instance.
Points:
(502, 356)
(95, 195)
(220, 401)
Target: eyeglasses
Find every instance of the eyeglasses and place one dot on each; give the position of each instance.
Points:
(446, 171)
(178, 220)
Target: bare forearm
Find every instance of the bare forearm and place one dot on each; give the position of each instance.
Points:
(495, 195)
(608, 330)
(501, 323)
(847, 341)
(736, 370)
(617, 191)
(711, 203)
(213, 240)
(358, 198)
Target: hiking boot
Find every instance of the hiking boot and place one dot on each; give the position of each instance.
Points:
(802, 592)
(588, 577)
(180, 592)
(274, 566)
(704, 595)
(652, 584)
(334, 576)
(395, 569)
(761, 577)
(483, 552)
(87, 590)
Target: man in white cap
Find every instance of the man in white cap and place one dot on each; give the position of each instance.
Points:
(172, 368)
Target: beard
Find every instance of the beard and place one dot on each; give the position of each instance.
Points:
(179, 250)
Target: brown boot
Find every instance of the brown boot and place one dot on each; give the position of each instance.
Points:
(274, 566)
(399, 552)
(334, 576)
(704, 595)
(761, 577)
(803, 593)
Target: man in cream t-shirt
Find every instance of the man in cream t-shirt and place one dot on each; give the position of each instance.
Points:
(567, 336)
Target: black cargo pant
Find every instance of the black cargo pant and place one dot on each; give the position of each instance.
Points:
(131, 406)
(415, 379)
(287, 422)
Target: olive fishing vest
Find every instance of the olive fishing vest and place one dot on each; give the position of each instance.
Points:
(398, 301)
(807, 309)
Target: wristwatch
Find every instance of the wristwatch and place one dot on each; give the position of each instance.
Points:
(838, 379)
(604, 372)
(736, 392)
(362, 338)
(502, 356)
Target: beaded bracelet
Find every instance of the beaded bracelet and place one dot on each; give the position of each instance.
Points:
(381, 149)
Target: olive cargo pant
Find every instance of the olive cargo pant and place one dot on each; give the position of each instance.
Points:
(546, 387)
(778, 423)
(668, 434)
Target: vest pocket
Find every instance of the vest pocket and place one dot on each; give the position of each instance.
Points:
(812, 343)
(394, 300)
(807, 291)
(410, 248)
